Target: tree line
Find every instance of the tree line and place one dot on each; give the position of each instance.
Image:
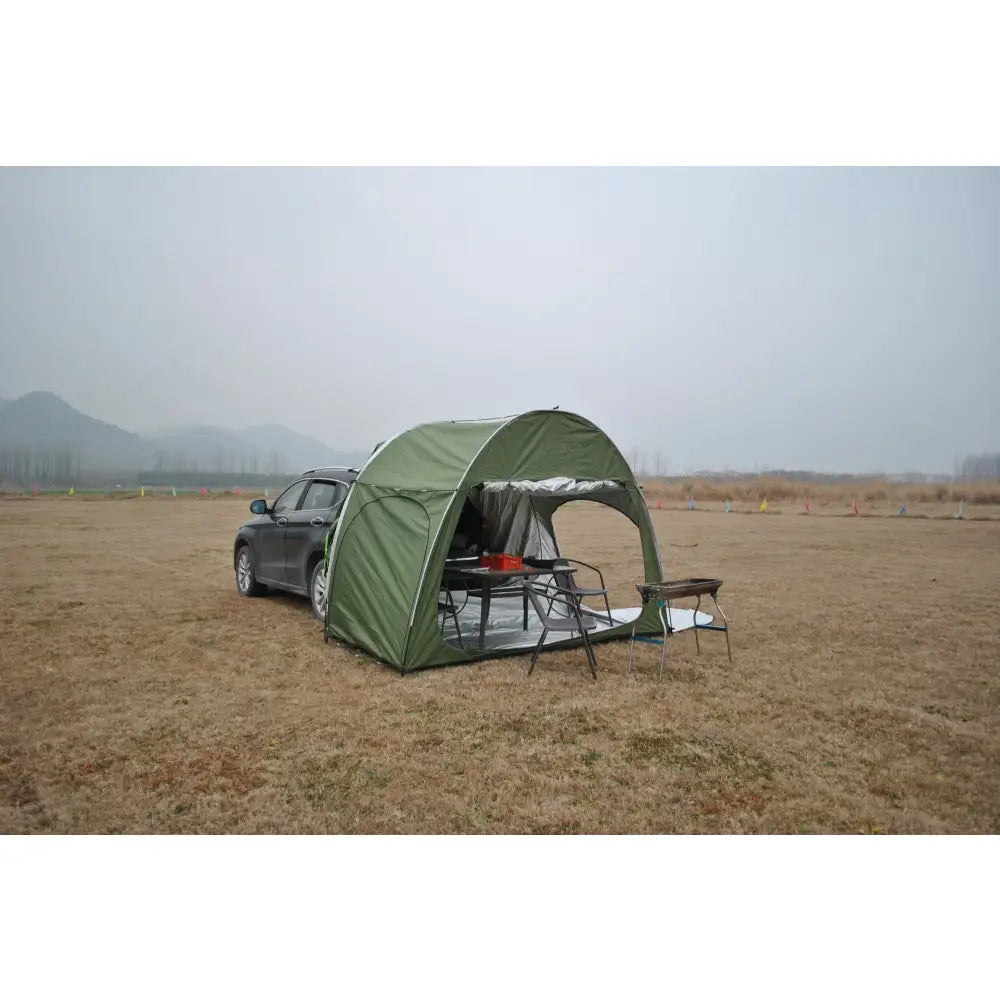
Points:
(222, 460)
(62, 464)
(24, 465)
(977, 468)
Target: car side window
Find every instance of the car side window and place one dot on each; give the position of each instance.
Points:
(323, 495)
(288, 500)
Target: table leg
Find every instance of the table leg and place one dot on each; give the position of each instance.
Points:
(524, 598)
(484, 613)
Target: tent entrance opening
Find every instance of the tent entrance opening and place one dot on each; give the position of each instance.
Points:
(515, 517)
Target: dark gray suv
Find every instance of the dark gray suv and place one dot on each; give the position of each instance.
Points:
(282, 546)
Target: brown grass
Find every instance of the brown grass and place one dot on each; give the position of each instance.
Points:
(140, 693)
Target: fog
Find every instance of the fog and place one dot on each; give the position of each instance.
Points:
(836, 320)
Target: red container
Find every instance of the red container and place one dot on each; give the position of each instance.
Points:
(503, 561)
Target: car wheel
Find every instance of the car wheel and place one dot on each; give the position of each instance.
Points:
(246, 580)
(317, 591)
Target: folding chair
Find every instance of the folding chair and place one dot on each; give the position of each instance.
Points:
(581, 592)
(449, 607)
(567, 582)
(576, 621)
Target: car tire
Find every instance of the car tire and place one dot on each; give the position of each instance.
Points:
(246, 578)
(317, 591)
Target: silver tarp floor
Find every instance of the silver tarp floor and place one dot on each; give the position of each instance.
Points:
(504, 630)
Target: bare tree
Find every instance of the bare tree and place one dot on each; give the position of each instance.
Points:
(979, 467)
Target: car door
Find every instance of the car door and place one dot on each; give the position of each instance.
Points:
(270, 542)
(306, 530)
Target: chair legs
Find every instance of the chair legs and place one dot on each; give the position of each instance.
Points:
(450, 609)
(591, 659)
(665, 621)
(587, 645)
(725, 620)
(538, 649)
(458, 630)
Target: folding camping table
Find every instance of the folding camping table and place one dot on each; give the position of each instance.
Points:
(663, 592)
(495, 579)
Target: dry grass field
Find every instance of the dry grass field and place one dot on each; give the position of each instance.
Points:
(139, 693)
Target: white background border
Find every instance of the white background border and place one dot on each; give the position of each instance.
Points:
(525, 83)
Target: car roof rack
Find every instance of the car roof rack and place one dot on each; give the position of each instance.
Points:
(331, 468)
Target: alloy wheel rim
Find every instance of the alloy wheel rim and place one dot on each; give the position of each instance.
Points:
(244, 572)
(319, 592)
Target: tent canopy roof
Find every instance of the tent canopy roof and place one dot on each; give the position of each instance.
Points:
(540, 444)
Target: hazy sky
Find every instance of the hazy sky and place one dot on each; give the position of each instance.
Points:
(842, 320)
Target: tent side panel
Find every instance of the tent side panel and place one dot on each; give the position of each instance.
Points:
(425, 647)
(379, 559)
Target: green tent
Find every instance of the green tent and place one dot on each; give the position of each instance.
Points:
(401, 518)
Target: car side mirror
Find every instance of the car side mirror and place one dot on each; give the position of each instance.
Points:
(258, 506)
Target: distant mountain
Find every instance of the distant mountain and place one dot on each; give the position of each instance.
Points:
(270, 449)
(309, 450)
(41, 424)
(43, 436)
